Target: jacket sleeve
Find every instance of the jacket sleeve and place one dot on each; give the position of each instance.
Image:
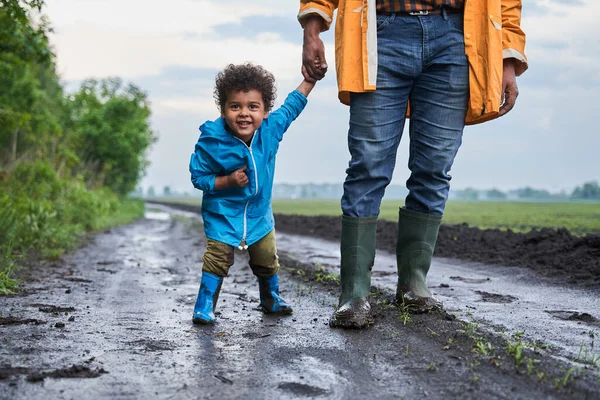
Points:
(203, 168)
(322, 8)
(513, 37)
(281, 119)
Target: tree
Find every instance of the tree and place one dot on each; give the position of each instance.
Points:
(495, 194)
(167, 191)
(468, 194)
(19, 36)
(26, 71)
(589, 191)
(113, 128)
(101, 133)
(530, 193)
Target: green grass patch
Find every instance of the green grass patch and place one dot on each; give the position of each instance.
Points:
(8, 264)
(126, 212)
(578, 218)
(44, 214)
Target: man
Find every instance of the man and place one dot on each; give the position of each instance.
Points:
(444, 63)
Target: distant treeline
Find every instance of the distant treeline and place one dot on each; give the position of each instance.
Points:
(67, 160)
(588, 191)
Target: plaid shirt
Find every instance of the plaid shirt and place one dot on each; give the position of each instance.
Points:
(389, 6)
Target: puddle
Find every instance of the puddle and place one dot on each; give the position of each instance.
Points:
(164, 213)
(157, 215)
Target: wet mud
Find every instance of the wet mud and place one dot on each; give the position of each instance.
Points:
(20, 321)
(113, 320)
(551, 253)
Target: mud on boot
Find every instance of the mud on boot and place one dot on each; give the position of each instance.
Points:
(270, 301)
(417, 236)
(353, 314)
(358, 255)
(208, 295)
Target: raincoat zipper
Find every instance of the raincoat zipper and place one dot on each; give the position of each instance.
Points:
(243, 245)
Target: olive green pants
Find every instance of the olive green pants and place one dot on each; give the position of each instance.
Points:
(219, 257)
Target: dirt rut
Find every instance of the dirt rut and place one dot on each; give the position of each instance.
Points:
(113, 320)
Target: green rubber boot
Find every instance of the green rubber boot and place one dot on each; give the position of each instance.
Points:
(358, 255)
(417, 235)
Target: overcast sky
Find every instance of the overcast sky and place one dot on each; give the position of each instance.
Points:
(172, 50)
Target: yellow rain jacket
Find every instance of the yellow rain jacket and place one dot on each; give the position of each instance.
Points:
(492, 32)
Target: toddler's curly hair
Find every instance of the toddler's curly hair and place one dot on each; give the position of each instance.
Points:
(245, 77)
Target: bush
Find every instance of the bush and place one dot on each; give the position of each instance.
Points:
(39, 211)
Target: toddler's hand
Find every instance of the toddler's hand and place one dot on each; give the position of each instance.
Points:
(238, 178)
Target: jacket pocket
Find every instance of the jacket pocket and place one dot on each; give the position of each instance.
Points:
(224, 207)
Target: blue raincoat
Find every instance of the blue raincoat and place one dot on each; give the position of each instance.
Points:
(238, 216)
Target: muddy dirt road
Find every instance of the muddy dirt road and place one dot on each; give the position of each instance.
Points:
(113, 320)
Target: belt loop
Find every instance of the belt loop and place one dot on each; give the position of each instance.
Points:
(444, 13)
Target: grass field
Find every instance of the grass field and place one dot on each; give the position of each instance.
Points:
(579, 218)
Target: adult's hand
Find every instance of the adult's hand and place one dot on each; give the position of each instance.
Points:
(313, 50)
(510, 91)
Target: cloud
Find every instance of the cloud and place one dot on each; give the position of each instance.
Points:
(105, 38)
(143, 16)
(285, 27)
(174, 51)
(128, 55)
(177, 81)
(190, 89)
(555, 77)
(545, 7)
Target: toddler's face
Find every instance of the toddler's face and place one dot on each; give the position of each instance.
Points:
(244, 113)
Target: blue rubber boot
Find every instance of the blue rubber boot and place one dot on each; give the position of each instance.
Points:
(269, 296)
(204, 310)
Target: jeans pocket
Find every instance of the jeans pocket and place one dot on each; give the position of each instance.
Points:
(383, 21)
(456, 21)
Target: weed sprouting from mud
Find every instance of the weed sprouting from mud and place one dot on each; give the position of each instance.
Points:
(469, 328)
(483, 347)
(432, 367)
(587, 356)
(473, 364)
(447, 346)
(404, 313)
(569, 376)
(515, 349)
(327, 278)
(299, 272)
(592, 333)
(530, 365)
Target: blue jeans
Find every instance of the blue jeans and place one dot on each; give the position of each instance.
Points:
(421, 58)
